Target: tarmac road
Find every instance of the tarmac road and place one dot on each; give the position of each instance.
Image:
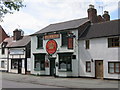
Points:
(30, 81)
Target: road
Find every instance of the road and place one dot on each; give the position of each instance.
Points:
(14, 84)
(30, 81)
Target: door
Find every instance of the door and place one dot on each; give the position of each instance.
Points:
(99, 69)
(19, 66)
(52, 67)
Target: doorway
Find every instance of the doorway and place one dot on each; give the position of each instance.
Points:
(19, 66)
(52, 66)
(99, 69)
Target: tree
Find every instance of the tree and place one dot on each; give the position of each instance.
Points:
(9, 6)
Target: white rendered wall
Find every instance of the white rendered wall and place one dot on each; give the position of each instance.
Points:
(60, 49)
(98, 51)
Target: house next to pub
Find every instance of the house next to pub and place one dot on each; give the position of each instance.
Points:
(17, 52)
(86, 47)
(3, 57)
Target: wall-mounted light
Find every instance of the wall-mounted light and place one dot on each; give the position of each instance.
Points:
(71, 35)
(92, 60)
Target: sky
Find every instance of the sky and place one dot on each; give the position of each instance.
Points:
(40, 13)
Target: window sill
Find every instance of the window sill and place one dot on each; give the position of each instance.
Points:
(64, 70)
(88, 71)
(113, 73)
(40, 48)
(64, 46)
(114, 47)
(38, 70)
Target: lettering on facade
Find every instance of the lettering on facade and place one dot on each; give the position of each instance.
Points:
(53, 36)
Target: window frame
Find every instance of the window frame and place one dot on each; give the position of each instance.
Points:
(114, 68)
(2, 64)
(87, 70)
(39, 42)
(64, 39)
(87, 44)
(14, 60)
(41, 59)
(113, 43)
(66, 62)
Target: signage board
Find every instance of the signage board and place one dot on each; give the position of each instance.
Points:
(52, 36)
(51, 47)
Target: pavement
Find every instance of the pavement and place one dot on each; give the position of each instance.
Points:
(61, 82)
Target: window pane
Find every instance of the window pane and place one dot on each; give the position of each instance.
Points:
(111, 64)
(65, 62)
(64, 39)
(14, 64)
(88, 69)
(63, 65)
(116, 64)
(2, 64)
(111, 70)
(117, 70)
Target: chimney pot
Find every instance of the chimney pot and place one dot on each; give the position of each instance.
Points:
(91, 6)
(106, 16)
(106, 12)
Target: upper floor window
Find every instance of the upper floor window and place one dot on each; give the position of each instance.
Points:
(64, 39)
(39, 41)
(113, 67)
(87, 44)
(114, 42)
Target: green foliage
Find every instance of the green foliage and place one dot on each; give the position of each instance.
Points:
(9, 6)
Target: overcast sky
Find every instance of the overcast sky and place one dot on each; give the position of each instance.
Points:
(39, 13)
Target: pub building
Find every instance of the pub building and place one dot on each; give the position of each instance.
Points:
(54, 53)
(77, 48)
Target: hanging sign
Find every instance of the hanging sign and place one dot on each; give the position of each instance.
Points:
(51, 47)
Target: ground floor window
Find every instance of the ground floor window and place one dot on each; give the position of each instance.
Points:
(113, 67)
(14, 64)
(88, 66)
(65, 62)
(2, 64)
(39, 62)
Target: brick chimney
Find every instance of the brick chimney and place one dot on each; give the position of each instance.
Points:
(92, 14)
(106, 16)
(17, 34)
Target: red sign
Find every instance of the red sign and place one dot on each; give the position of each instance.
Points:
(70, 43)
(51, 47)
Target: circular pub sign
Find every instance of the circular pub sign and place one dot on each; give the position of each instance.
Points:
(51, 46)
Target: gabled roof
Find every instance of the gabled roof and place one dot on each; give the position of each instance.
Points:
(104, 29)
(72, 24)
(20, 43)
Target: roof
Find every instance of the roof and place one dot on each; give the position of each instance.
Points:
(3, 34)
(72, 24)
(104, 29)
(20, 43)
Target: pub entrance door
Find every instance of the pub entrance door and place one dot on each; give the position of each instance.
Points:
(52, 66)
